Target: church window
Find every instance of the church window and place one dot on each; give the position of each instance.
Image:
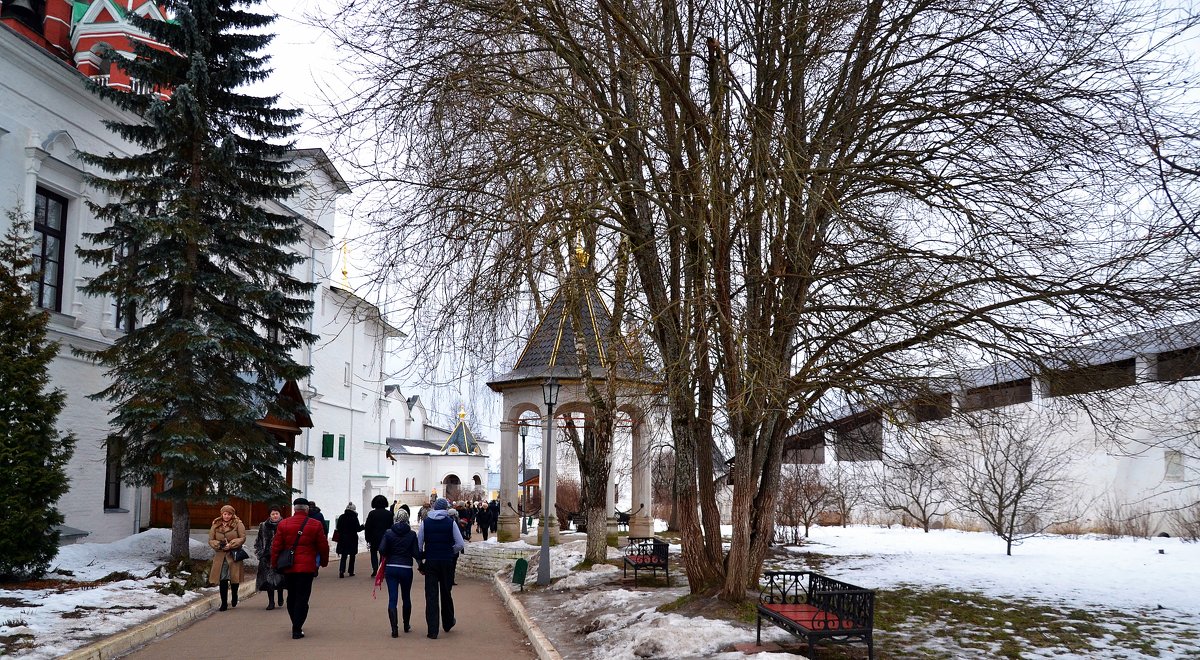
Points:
(112, 476)
(327, 445)
(1174, 465)
(49, 228)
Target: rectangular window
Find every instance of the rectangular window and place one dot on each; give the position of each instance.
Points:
(1092, 378)
(327, 445)
(930, 408)
(1177, 365)
(998, 395)
(1173, 463)
(863, 442)
(341, 447)
(805, 449)
(49, 248)
(112, 476)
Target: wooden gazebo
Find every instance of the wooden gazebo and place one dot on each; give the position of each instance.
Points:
(285, 432)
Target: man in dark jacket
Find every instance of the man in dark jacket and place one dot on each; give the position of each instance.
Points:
(378, 521)
(306, 537)
(440, 542)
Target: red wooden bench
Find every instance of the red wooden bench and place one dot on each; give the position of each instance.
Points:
(817, 608)
(646, 553)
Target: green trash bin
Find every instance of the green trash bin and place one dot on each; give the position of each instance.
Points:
(519, 571)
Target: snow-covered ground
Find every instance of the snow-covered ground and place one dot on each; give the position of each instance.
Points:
(48, 622)
(594, 614)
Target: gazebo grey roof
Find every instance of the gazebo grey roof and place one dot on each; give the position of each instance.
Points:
(551, 351)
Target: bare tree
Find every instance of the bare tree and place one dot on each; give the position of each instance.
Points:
(847, 489)
(912, 478)
(821, 201)
(803, 495)
(1008, 471)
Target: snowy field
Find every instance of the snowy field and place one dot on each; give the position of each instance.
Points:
(593, 614)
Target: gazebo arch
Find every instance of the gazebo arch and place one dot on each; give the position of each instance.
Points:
(551, 352)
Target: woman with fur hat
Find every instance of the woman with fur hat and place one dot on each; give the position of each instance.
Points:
(347, 533)
(399, 549)
(226, 535)
(268, 579)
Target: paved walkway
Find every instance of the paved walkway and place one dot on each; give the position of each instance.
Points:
(343, 618)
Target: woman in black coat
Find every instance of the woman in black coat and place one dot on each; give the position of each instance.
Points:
(379, 520)
(399, 548)
(347, 533)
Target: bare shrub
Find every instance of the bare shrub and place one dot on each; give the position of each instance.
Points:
(802, 497)
(1185, 523)
(1070, 529)
(568, 499)
(1116, 519)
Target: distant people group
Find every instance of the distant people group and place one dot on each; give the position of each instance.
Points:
(291, 550)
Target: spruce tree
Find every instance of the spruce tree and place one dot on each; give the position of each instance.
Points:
(190, 250)
(33, 453)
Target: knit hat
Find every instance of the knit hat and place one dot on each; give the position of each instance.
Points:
(350, 507)
(299, 501)
(442, 504)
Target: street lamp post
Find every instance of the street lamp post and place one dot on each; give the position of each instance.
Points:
(550, 396)
(524, 504)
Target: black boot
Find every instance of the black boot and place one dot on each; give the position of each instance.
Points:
(270, 599)
(407, 612)
(392, 618)
(233, 596)
(224, 596)
(281, 603)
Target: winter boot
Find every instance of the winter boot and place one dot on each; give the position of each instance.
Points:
(281, 603)
(233, 596)
(392, 619)
(224, 596)
(407, 612)
(270, 599)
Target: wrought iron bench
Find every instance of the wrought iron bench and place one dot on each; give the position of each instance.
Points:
(815, 607)
(579, 520)
(645, 553)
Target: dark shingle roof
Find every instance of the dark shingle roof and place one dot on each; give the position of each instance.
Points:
(552, 351)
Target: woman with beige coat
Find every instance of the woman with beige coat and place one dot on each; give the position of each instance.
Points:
(227, 534)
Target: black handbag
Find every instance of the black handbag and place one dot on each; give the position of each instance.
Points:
(240, 554)
(287, 558)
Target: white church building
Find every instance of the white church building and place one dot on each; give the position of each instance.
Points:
(365, 438)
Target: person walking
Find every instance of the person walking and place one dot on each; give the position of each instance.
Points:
(268, 579)
(399, 548)
(347, 530)
(314, 512)
(379, 520)
(306, 538)
(439, 542)
(483, 516)
(227, 534)
(424, 509)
